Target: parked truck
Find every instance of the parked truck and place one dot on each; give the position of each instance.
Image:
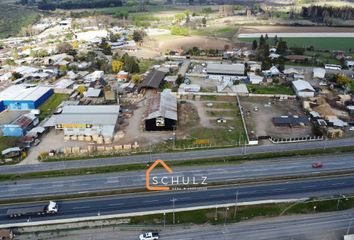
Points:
(50, 208)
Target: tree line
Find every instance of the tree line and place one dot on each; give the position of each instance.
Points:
(325, 14)
(77, 4)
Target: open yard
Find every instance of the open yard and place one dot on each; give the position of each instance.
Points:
(259, 112)
(273, 89)
(198, 123)
(51, 104)
(7, 142)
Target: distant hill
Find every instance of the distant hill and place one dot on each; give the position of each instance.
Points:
(13, 18)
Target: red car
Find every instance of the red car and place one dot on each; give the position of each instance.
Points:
(317, 165)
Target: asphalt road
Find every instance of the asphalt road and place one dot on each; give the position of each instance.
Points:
(215, 173)
(327, 226)
(174, 156)
(163, 200)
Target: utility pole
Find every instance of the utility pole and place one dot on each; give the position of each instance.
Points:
(350, 224)
(173, 210)
(164, 220)
(236, 201)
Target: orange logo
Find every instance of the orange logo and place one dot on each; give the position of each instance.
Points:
(148, 186)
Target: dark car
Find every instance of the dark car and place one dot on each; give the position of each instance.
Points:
(317, 165)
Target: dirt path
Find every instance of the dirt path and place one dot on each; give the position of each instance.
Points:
(204, 119)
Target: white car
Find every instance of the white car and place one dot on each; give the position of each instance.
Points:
(149, 236)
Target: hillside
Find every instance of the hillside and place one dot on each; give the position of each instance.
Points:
(13, 18)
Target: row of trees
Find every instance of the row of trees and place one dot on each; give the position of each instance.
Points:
(262, 51)
(325, 14)
(78, 4)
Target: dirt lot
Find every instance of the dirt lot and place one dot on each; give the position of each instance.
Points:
(198, 121)
(259, 123)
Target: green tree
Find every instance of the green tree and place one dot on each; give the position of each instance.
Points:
(282, 47)
(106, 48)
(342, 80)
(254, 44)
(137, 36)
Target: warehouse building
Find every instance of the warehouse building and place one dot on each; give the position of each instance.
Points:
(303, 88)
(90, 120)
(2, 107)
(23, 97)
(161, 112)
(20, 126)
(226, 69)
(153, 80)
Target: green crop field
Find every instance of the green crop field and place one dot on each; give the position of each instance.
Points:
(13, 18)
(330, 43)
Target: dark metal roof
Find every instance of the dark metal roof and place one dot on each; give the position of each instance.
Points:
(291, 120)
(153, 79)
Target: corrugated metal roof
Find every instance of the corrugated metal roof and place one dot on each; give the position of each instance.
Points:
(217, 68)
(162, 105)
(92, 92)
(93, 114)
(302, 85)
(153, 79)
(23, 92)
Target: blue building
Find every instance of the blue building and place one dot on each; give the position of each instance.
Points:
(24, 97)
(2, 107)
(20, 126)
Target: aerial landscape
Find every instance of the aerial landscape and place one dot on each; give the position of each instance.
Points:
(177, 119)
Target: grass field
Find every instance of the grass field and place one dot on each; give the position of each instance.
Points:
(275, 89)
(13, 18)
(224, 32)
(7, 142)
(319, 43)
(51, 104)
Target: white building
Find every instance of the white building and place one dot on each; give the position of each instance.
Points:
(319, 73)
(303, 88)
(90, 120)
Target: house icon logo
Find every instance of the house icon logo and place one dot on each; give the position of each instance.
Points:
(152, 167)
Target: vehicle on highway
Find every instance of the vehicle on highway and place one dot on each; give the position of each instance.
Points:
(149, 236)
(333, 66)
(50, 208)
(317, 165)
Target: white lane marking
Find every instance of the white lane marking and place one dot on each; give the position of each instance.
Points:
(83, 207)
(115, 204)
(336, 184)
(151, 201)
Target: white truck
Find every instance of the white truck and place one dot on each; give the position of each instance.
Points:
(149, 236)
(50, 208)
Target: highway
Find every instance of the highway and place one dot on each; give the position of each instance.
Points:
(163, 200)
(250, 170)
(174, 156)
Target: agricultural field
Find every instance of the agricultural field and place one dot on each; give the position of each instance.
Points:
(223, 32)
(13, 18)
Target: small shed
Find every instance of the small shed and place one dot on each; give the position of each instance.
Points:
(319, 73)
(303, 88)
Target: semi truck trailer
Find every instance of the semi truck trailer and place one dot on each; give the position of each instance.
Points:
(50, 208)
